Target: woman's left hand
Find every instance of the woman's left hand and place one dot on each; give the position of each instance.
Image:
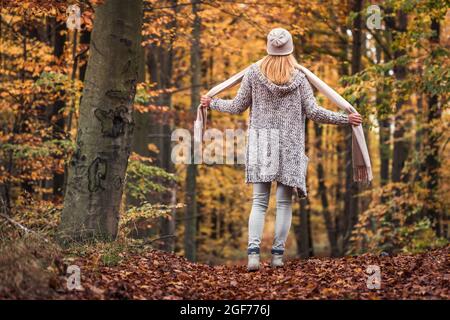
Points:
(354, 119)
(205, 101)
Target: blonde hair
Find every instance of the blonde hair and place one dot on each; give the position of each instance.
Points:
(278, 69)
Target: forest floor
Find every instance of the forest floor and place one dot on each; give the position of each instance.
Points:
(36, 270)
(159, 275)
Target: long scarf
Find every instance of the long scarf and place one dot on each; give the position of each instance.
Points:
(362, 169)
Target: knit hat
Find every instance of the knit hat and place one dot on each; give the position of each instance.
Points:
(279, 42)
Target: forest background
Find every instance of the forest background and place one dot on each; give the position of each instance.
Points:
(396, 74)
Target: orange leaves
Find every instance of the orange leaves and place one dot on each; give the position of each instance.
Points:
(158, 275)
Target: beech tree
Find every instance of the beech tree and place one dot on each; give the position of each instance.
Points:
(97, 169)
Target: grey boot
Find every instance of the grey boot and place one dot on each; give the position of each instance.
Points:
(277, 260)
(253, 262)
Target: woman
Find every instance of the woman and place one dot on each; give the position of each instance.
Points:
(280, 98)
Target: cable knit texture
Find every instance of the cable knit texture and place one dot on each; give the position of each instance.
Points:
(275, 148)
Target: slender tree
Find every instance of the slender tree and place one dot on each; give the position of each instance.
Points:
(432, 163)
(383, 98)
(323, 193)
(59, 42)
(382, 101)
(341, 150)
(351, 188)
(168, 226)
(401, 143)
(303, 229)
(190, 227)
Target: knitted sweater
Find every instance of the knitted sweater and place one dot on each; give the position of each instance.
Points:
(275, 149)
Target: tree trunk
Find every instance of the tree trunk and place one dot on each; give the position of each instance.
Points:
(56, 116)
(351, 188)
(341, 149)
(384, 150)
(323, 193)
(383, 104)
(167, 224)
(401, 145)
(190, 227)
(303, 229)
(432, 162)
(98, 166)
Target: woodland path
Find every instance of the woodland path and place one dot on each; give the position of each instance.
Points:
(159, 275)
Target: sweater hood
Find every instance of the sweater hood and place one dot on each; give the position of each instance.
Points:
(276, 89)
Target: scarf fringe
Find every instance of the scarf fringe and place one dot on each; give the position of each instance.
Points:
(200, 124)
(362, 174)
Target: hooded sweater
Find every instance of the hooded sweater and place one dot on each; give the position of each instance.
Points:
(275, 149)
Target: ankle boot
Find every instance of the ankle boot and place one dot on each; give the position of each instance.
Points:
(253, 262)
(277, 260)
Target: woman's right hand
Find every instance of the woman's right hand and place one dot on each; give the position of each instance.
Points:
(354, 119)
(205, 101)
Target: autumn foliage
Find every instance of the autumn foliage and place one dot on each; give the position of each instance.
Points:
(397, 76)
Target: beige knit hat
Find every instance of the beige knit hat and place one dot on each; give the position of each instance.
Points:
(279, 42)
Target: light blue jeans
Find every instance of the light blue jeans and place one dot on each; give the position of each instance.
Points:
(261, 195)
